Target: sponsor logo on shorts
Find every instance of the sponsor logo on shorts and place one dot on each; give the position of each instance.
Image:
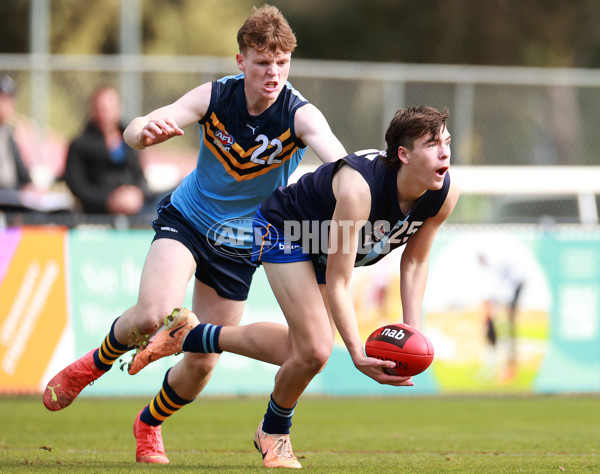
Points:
(235, 237)
(374, 240)
(169, 229)
(287, 247)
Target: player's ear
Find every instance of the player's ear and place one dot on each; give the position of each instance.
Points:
(239, 59)
(403, 153)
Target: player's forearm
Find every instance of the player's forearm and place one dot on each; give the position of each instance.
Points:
(131, 135)
(344, 317)
(413, 280)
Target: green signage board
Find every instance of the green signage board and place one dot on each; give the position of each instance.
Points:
(550, 342)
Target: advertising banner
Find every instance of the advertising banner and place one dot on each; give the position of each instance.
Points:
(34, 305)
(515, 309)
(572, 262)
(508, 309)
(105, 269)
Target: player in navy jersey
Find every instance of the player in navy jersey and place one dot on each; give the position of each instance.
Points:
(255, 129)
(314, 232)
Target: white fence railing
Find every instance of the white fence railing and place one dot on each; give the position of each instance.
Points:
(501, 118)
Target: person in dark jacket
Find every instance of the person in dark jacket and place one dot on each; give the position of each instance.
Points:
(102, 171)
(13, 173)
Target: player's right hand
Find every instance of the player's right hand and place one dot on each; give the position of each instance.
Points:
(158, 131)
(374, 368)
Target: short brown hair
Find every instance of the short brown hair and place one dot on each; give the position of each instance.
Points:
(408, 125)
(266, 29)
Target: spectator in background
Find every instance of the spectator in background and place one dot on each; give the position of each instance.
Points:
(102, 171)
(13, 173)
(506, 282)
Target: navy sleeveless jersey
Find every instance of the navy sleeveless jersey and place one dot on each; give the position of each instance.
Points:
(302, 207)
(242, 160)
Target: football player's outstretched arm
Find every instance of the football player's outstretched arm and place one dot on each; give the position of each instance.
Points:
(351, 212)
(169, 121)
(312, 128)
(414, 264)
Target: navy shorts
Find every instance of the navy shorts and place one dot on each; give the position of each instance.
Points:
(270, 245)
(227, 270)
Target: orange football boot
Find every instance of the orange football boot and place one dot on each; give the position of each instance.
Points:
(64, 387)
(166, 341)
(149, 442)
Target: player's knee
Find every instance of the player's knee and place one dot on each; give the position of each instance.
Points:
(146, 326)
(316, 360)
(147, 319)
(322, 357)
(200, 364)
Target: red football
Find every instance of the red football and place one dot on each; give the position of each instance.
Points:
(408, 347)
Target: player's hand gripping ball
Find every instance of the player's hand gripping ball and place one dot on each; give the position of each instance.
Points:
(408, 347)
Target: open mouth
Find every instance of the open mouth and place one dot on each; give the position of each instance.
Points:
(271, 85)
(441, 171)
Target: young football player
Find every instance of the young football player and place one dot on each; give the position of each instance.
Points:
(255, 129)
(348, 213)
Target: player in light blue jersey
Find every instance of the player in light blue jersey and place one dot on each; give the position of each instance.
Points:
(244, 157)
(255, 129)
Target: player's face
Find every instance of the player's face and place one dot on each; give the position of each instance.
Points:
(430, 159)
(265, 73)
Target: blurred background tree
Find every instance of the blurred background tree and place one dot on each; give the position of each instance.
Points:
(561, 33)
(178, 27)
(14, 26)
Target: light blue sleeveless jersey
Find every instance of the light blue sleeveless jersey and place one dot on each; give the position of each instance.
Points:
(242, 160)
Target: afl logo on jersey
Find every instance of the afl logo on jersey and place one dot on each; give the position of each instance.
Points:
(224, 137)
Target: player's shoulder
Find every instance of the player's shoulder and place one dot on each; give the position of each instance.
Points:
(231, 80)
(226, 87)
(308, 117)
(349, 183)
(294, 93)
(368, 154)
(453, 191)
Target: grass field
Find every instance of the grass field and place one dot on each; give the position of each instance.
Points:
(399, 435)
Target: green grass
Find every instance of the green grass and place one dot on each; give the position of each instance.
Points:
(341, 435)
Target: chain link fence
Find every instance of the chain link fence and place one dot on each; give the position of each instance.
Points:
(498, 116)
